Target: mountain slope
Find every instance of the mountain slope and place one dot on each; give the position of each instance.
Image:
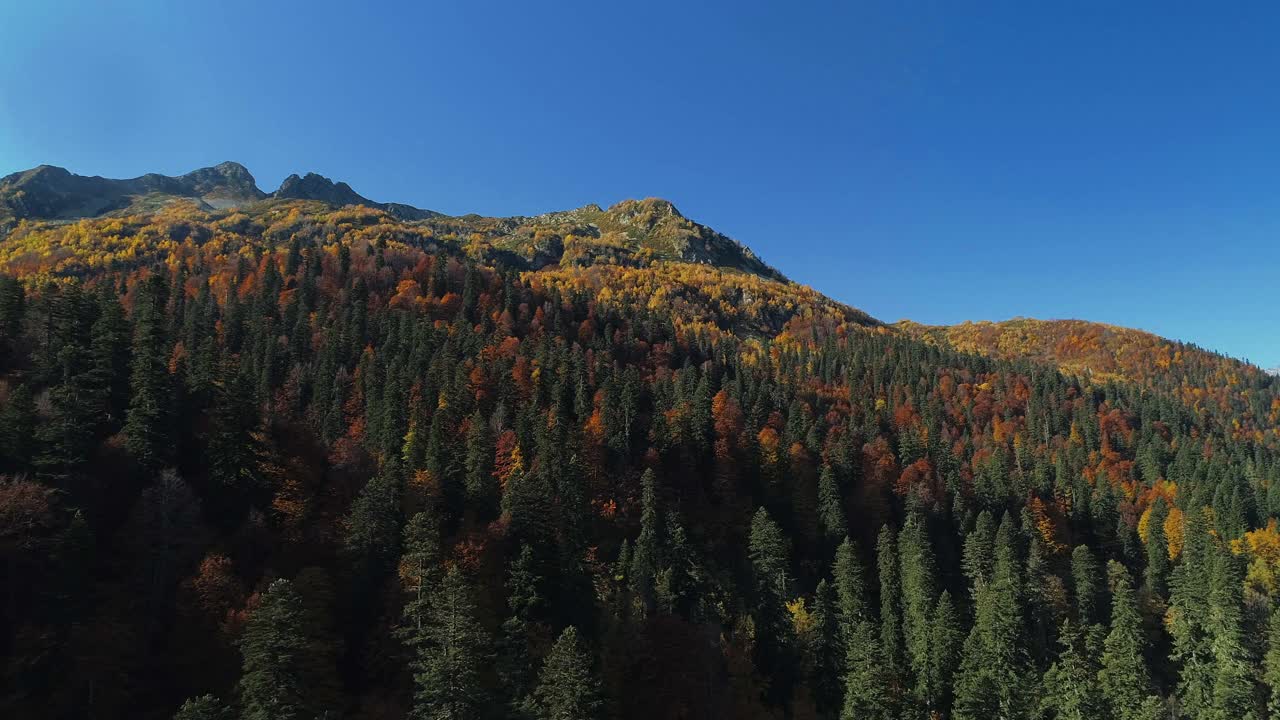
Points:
(49, 192)
(632, 232)
(289, 449)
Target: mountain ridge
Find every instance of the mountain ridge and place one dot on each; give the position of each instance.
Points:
(630, 231)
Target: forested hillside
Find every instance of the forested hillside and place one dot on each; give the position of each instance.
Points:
(288, 460)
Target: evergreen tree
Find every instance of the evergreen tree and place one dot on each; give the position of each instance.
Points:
(450, 653)
(109, 361)
(1085, 574)
(1234, 691)
(481, 489)
(17, 426)
(826, 651)
(1271, 665)
(204, 707)
(12, 308)
(769, 553)
(919, 594)
(1069, 689)
(945, 641)
(864, 679)
(1157, 549)
(993, 678)
(831, 514)
(645, 558)
(1123, 678)
(272, 684)
(514, 664)
(890, 606)
(1190, 586)
(567, 686)
(148, 423)
(979, 551)
(372, 540)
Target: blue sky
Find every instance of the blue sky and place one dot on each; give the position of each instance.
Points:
(937, 161)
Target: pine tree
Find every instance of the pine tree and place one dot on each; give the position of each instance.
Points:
(890, 606)
(945, 641)
(1271, 665)
(1189, 590)
(567, 686)
(979, 551)
(993, 678)
(524, 600)
(372, 540)
(831, 516)
(147, 425)
(1123, 678)
(204, 707)
(645, 558)
(272, 686)
(109, 361)
(826, 650)
(865, 693)
(1234, 691)
(769, 552)
(12, 309)
(17, 426)
(850, 585)
(1069, 689)
(1157, 549)
(232, 451)
(919, 594)
(451, 651)
(481, 490)
(1085, 574)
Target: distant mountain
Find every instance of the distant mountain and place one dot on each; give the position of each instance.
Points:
(317, 187)
(630, 233)
(49, 192)
(1097, 350)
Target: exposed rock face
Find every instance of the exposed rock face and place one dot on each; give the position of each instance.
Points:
(49, 192)
(631, 232)
(317, 187)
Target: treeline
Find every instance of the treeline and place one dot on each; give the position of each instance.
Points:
(328, 474)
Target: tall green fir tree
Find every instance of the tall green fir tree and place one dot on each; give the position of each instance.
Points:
(1124, 678)
(272, 681)
(568, 688)
(451, 650)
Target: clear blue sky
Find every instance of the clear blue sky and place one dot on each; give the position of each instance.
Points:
(938, 161)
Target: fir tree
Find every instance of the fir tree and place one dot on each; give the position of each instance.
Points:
(450, 652)
(831, 516)
(645, 558)
(1123, 678)
(17, 426)
(567, 686)
(993, 678)
(1271, 665)
(204, 707)
(524, 600)
(890, 605)
(481, 490)
(919, 593)
(272, 684)
(147, 425)
(1069, 689)
(1234, 691)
